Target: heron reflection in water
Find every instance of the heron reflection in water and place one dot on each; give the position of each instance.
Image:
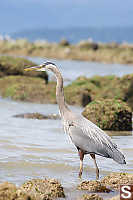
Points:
(86, 136)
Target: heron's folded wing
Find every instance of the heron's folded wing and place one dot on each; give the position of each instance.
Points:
(86, 143)
(94, 132)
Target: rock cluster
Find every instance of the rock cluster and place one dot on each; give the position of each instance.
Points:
(114, 180)
(108, 99)
(84, 50)
(35, 189)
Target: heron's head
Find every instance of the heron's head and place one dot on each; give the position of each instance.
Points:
(43, 67)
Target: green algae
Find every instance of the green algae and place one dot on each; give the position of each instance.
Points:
(109, 114)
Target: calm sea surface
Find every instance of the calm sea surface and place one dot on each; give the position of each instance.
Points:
(72, 69)
(32, 148)
(74, 35)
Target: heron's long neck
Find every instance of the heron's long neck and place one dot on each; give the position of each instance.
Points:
(60, 94)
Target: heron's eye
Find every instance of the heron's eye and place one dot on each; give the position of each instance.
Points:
(71, 124)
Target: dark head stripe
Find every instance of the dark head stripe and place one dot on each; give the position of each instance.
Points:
(48, 63)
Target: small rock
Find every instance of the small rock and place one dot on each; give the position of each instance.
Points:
(115, 198)
(64, 42)
(114, 180)
(88, 45)
(8, 191)
(37, 116)
(93, 186)
(91, 197)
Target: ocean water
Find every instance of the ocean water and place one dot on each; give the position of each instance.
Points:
(72, 69)
(74, 35)
(31, 148)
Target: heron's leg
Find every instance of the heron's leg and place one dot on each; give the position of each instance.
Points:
(97, 170)
(81, 155)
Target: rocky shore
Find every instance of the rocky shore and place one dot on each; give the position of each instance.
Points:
(84, 50)
(107, 106)
(49, 189)
(35, 189)
(14, 66)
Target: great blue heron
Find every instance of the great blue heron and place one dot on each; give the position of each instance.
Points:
(86, 136)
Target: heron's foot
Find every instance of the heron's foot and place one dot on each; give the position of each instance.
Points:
(80, 174)
(97, 177)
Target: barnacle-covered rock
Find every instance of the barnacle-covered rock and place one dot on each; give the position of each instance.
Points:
(93, 186)
(45, 189)
(37, 116)
(91, 197)
(109, 114)
(10, 65)
(114, 180)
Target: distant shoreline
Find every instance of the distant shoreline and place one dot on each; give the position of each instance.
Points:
(85, 50)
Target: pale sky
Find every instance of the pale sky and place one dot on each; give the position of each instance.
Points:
(27, 14)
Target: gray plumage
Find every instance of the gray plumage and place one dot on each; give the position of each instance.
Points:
(90, 138)
(86, 136)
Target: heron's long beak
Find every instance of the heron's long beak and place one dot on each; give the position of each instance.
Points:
(35, 68)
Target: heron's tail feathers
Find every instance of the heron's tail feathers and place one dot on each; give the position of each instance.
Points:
(118, 157)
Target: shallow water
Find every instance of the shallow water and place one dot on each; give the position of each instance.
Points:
(72, 69)
(32, 148)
